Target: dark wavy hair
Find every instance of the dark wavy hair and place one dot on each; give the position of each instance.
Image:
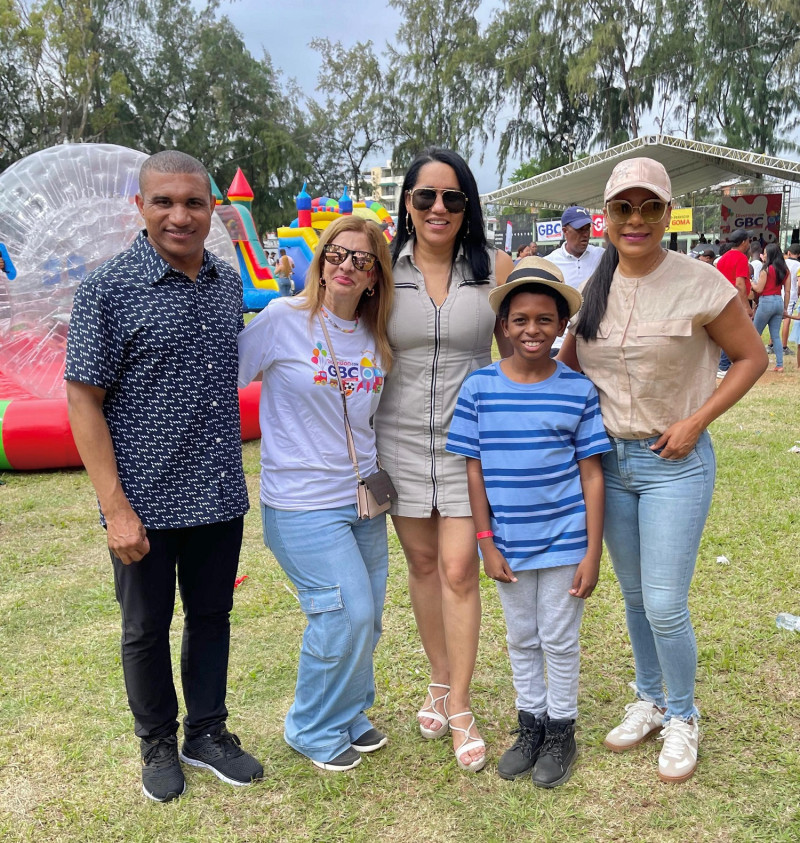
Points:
(774, 257)
(471, 235)
(595, 295)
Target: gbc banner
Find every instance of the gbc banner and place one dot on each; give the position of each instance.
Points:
(551, 229)
(758, 213)
(681, 219)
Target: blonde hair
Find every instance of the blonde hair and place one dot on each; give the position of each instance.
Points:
(373, 310)
(283, 266)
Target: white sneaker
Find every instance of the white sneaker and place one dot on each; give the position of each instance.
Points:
(678, 759)
(642, 719)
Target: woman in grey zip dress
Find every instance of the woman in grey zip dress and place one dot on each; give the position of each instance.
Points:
(440, 330)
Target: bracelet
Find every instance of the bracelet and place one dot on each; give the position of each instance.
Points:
(485, 534)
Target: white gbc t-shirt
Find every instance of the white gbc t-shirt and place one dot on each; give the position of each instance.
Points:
(304, 459)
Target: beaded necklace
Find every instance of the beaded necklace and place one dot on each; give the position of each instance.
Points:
(339, 327)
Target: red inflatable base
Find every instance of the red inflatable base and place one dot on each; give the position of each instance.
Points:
(35, 432)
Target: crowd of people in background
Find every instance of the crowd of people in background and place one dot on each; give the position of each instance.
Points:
(739, 257)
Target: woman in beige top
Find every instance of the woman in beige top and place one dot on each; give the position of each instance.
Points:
(440, 330)
(649, 337)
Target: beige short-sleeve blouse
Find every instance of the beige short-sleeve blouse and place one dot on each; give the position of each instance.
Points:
(653, 362)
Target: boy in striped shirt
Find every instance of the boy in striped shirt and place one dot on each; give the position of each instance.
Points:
(532, 434)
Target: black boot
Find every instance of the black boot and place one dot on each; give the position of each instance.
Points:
(520, 758)
(554, 765)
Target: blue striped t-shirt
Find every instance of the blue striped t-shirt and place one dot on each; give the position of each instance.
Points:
(529, 438)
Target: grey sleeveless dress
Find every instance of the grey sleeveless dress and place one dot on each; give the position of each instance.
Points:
(434, 350)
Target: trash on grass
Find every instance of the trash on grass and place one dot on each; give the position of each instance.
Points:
(723, 560)
(787, 621)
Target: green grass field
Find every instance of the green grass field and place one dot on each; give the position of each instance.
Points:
(69, 766)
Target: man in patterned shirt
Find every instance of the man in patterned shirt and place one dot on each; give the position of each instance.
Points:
(151, 386)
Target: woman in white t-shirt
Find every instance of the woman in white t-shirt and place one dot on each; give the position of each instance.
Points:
(337, 562)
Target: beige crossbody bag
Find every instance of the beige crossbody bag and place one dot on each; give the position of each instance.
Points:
(376, 492)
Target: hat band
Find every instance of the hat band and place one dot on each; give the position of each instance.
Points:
(533, 274)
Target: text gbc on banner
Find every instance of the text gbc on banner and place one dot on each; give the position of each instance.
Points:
(551, 229)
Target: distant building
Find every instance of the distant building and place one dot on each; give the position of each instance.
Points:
(387, 184)
(384, 185)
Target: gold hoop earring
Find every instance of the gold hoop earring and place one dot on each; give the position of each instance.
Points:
(371, 291)
(409, 226)
(321, 282)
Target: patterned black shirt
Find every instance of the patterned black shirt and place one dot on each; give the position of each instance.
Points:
(164, 349)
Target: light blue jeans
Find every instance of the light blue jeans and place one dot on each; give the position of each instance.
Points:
(770, 312)
(543, 621)
(655, 513)
(339, 565)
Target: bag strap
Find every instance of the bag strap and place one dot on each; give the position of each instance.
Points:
(351, 448)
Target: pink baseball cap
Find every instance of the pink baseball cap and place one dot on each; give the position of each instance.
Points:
(639, 172)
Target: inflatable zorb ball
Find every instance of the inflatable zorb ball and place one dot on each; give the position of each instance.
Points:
(63, 212)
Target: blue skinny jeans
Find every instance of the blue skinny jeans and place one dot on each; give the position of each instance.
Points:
(655, 513)
(770, 312)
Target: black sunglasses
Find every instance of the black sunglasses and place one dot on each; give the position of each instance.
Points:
(363, 261)
(423, 199)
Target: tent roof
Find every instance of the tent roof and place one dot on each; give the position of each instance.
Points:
(692, 165)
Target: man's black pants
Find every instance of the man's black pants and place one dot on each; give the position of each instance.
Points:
(205, 559)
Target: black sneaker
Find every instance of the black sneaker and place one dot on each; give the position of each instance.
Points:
(346, 760)
(554, 765)
(517, 760)
(770, 349)
(370, 741)
(162, 777)
(786, 349)
(222, 753)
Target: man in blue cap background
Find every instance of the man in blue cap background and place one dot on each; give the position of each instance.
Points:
(575, 257)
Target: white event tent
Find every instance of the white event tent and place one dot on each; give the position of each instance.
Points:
(692, 165)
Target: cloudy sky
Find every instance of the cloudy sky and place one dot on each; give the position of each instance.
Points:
(285, 29)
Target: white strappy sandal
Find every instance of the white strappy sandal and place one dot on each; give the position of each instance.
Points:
(469, 743)
(429, 710)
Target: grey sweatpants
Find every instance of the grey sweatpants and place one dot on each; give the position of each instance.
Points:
(543, 621)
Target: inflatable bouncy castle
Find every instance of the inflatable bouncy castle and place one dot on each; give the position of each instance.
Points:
(258, 281)
(301, 236)
(63, 211)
